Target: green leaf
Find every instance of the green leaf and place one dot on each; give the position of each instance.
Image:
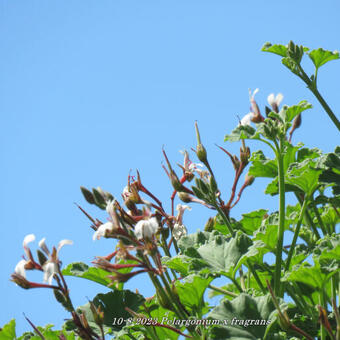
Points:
(82, 270)
(113, 305)
(327, 253)
(220, 253)
(7, 332)
(276, 49)
(311, 276)
(304, 176)
(184, 264)
(242, 132)
(243, 309)
(320, 56)
(191, 290)
(252, 221)
(49, 334)
(289, 113)
(262, 166)
(254, 254)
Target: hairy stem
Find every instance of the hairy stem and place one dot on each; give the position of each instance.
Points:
(296, 233)
(278, 263)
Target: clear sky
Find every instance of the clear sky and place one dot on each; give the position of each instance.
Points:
(92, 89)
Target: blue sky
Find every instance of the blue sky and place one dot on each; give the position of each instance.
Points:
(92, 89)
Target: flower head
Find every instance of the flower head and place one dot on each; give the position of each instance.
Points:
(51, 266)
(145, 229)
(178, 231)
(247, 119)
(103, 230)
(275, 102)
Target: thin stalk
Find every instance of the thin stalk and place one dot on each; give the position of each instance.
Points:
(280, 236)
(256, 277)
(308, 219)
(167, 252)
(318, 96)
(316, 212)
(225, 219)
(223, 291)
(296, 233)
(322, 329)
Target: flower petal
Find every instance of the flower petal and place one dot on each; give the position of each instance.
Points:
(28, 238)
(43, 246)
(101, 231)
(20, 268)
(63, 243)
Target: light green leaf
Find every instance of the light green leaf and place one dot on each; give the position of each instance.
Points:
(220, 253)
(262, 166)
(7, 332)
(320, 56)
(289, 113)
(242, 132)
(252, 221)
(82, 270)
(278, 49)
(191, 290)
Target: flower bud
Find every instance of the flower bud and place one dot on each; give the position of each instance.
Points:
(21, 281)
(87, 195)
(200, 149)
(209, 226)
(244, 155)
(249, 180)
(184, 197)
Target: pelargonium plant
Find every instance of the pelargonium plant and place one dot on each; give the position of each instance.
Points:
(296, 296)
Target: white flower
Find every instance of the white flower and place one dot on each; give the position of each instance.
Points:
(110, 207)
(146, 228)
(102, 230)
(246, 120)
(43, 246)
(178, 231)
(50, 268)
(272, 100)
(20, 268)
(28, 239)
(63, 243)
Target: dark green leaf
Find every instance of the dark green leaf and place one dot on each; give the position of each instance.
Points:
(243, 309)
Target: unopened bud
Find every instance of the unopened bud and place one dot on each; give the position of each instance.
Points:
(244, 155)
(184, 197)
(209, 226)
(249, 180)
(21, 281)
(175, 182)
(98, 315)
(87, 195)
(297, 122)
(201, 152)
